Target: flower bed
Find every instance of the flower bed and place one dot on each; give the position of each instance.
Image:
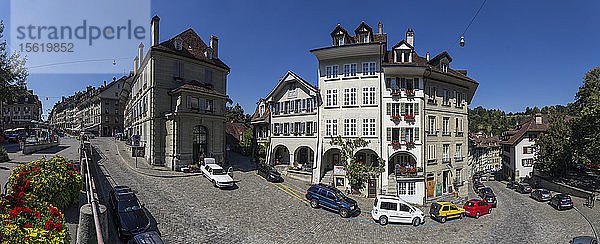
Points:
(53, 180)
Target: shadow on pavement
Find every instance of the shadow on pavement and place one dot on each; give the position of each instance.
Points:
(11, 148)
(240, 162)
(52, 150)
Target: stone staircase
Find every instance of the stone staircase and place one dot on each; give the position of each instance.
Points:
(392, 188)
(327, 178)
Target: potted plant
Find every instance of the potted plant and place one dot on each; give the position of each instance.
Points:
(396, 144)
(410, 144)
(409, 117)
(395, 92)
(396, 117)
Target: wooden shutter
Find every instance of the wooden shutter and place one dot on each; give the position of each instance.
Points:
(403, 134)
(389, 134)
(402, 109)
(416, 108)
(416, 133)
(389, 109)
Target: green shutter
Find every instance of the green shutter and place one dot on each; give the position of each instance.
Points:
(403, 134)
(389, 134)
(416, 108)
(402, 110)
(389, 109)
(416, 133)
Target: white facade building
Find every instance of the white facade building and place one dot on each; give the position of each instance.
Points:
(518, 147)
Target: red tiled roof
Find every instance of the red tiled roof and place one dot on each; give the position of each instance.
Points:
(193, 47)
(527, 125)
(235, 129)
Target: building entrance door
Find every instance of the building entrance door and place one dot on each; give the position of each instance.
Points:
(199, 146)
(430, 186)
(372, 187)
(445, 181)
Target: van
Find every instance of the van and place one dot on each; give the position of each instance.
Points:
(393, 209)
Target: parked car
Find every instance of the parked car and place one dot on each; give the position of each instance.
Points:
(541, 195)
(477, 187)
(130, 217)
(393, 209)
(484, 191)
(269, 173)
(512, 185)
(476, 208)
(584, 240)
(326, 196)
(524, 188)
(490, 198)
(561, 201)
(443, 211)
(216, 174)
(150, 237)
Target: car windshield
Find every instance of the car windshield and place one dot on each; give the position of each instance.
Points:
(219, 172)
(128, 205)
(565, 198)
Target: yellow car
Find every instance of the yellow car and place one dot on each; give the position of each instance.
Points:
(442, 211)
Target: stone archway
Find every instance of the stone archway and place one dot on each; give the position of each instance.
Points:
(401, 160)
(368, 156)
(304, 156)
(281, 155)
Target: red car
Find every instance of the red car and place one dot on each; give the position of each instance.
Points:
(476, 208)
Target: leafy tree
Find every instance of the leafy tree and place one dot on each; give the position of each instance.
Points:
(554, 152)
(236, 114)
(586, 132)
(357, 172)
(12, 72)
(247, 140)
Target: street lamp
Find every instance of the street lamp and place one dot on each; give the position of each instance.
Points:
(462, 41)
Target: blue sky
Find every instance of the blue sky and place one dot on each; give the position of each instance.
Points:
(523, 53)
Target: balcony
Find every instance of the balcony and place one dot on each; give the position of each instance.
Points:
(396, 118)
(396, 92)
(409, 172)
(409, 117)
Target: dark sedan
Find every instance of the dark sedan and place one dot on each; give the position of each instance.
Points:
(484, 191)
(130, 217)
(490, 198)
(269, 173)
(561, 201)
(151, 237)
(584, 240)
(512, 185)
(541, 195)
(477, 187)
(524, 188)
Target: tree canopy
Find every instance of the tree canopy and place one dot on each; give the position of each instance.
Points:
(235, 114)
(12, 71)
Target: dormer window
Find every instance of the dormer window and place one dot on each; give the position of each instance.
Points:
(262, 110)
(364, 38)
(444, 67)
(178, 43)
(208, 53)
(340, 40)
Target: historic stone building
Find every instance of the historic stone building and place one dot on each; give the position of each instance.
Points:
(21, 112)
(388, 98)
(485, 153)
(177, 100)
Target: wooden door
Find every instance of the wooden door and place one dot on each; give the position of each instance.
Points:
(372, 187)
(430, 187)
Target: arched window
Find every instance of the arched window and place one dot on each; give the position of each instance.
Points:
(200, 145)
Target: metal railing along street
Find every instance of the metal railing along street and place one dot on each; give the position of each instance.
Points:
(85, 158)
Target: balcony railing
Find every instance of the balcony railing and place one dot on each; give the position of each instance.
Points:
(408, 172)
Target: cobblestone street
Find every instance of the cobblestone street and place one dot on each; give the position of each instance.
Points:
(188, 209)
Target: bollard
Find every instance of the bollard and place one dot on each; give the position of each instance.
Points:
(86, 231)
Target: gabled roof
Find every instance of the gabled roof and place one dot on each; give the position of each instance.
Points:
(295, 77)
(403, 42)
(193, 47)
(527, 125)
(256, 117)
(363, 25)
(435, 60)
(338, 29)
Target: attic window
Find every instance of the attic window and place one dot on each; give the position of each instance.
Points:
(444, 67)
(340, 40)
(178, 43)
(208, 53)
(364, 38)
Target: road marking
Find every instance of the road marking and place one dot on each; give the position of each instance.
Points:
(282, 188)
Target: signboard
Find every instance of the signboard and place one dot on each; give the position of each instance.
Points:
(227, 148)
(339, 170)
(135, 141)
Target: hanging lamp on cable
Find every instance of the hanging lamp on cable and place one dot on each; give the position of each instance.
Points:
(462, 41)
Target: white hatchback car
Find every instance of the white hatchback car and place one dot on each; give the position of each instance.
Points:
(393, 209)
(216, 174)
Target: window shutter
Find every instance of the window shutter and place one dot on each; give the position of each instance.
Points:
(314, 127)
(388, 82)
(416, 133)
(389, 134)
(389, 109)
(416, 108)
(402, 83)
(402, 109)
(403, 134)
(416, 83)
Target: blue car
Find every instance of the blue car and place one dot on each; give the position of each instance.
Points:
(326, 196)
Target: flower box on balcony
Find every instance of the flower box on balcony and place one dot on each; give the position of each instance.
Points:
(410, 144)
(410, 93)
(396, 92)
(396, 144)
(409, 171)
(409, 117)
(396, 118)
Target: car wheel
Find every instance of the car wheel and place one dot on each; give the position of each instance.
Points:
(383, 220)
(416, 222)
(344, 213)
(314, 203)
(443, 219)
(477, 215)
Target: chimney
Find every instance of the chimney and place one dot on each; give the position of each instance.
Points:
(214, 44)
(154, 27)
(380, 25)
(141, 53)
(427, 56)
(538, 119)
(104, 83)
(135, 65)
(410, 37)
